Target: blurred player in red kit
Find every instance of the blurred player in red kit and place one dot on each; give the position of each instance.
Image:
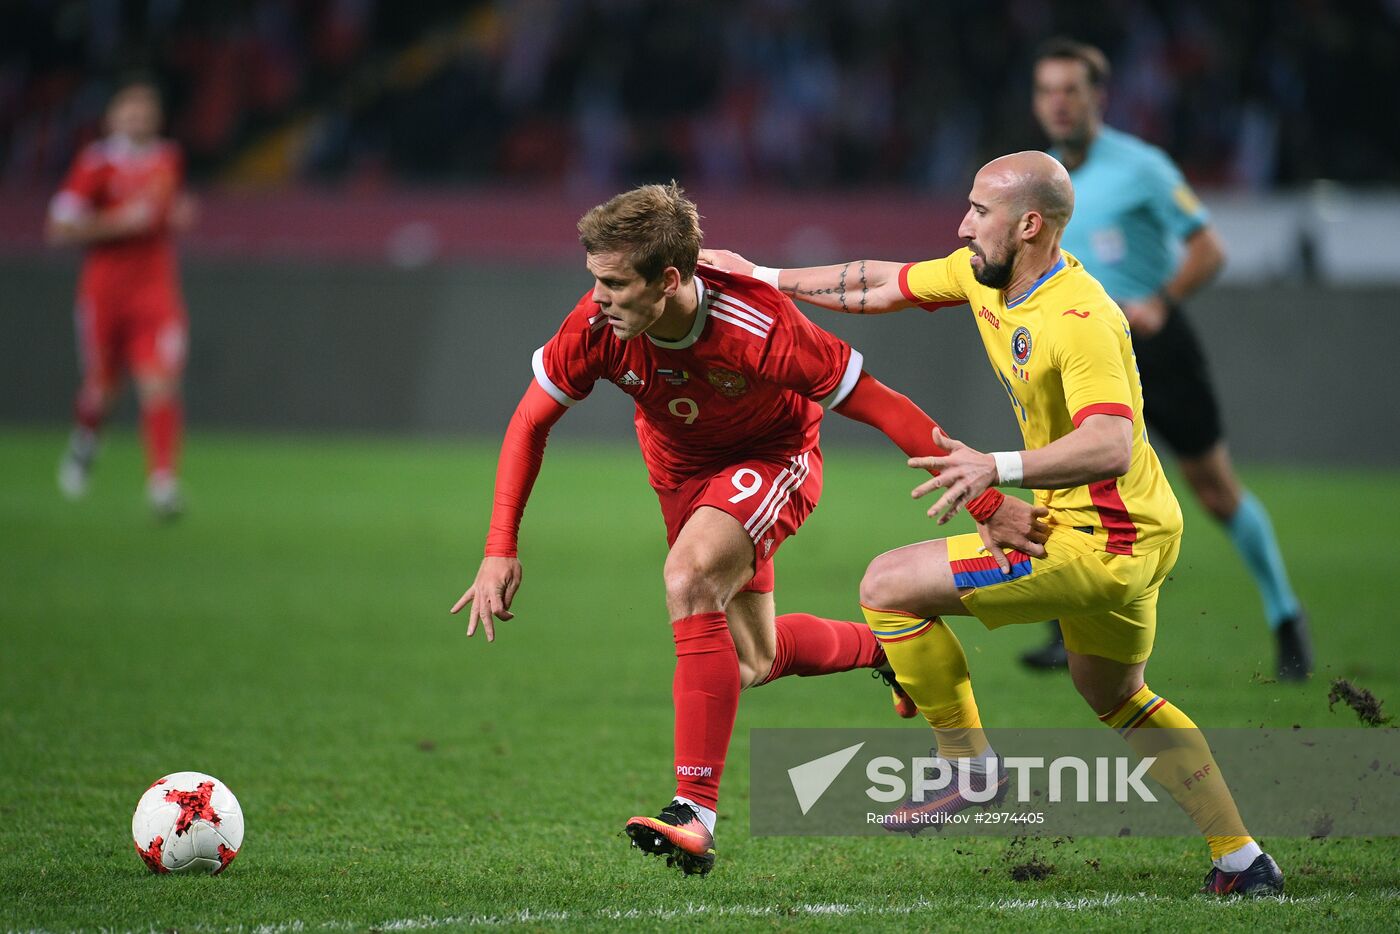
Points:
(122, 202)
(730, 382)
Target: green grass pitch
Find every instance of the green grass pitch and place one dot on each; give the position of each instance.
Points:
(291, 636)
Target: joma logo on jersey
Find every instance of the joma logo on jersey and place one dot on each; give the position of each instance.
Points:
(728, 383)
(1021, 346)
(989, 316)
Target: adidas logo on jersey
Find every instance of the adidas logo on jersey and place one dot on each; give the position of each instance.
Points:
(630, 378)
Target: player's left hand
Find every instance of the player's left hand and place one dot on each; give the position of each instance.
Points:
(1017, 525)
(1146, 316)
(963, 474)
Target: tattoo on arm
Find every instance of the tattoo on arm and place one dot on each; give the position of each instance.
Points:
(839, 290)
(797, 289)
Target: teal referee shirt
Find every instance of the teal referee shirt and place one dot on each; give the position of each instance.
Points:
(1132, 209)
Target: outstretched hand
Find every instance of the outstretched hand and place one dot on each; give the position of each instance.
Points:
(490, 595)
(727, 261)
(963, 473)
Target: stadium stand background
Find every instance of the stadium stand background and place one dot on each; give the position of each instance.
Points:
(390, 189)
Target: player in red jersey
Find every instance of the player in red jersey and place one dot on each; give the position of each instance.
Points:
(730, 381)
(122, 202)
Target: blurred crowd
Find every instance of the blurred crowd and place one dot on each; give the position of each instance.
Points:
(787, 93)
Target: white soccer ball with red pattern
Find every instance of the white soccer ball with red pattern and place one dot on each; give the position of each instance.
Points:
(187, 822)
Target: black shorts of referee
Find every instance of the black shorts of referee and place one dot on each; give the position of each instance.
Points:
(1179, 401)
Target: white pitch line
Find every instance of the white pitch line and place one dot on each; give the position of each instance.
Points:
(693, 910)
(828, 909)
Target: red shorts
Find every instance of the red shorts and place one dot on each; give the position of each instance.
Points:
(770, 497)
(118, 334)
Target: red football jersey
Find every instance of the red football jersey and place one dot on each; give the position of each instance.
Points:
(112, 173)
(750, 379)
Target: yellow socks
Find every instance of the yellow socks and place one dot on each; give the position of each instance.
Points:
(1185, 766)
(932, 669)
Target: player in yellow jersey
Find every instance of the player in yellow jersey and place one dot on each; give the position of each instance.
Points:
(1061, 350)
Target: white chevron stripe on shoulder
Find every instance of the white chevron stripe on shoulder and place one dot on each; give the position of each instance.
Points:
(721, 316)
(740, 314)
(742, 305)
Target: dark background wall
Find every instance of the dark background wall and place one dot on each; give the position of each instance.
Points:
(1304, 374)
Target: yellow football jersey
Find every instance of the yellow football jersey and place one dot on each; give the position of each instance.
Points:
(1063, 352)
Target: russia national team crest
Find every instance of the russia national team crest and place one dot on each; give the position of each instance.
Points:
(728, 383)
(1021, 346)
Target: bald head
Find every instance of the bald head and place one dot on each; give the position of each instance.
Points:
(1017, 209)
(1031, 181)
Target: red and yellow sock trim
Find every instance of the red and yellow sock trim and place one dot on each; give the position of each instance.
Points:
(903, 633)
(1135, 711)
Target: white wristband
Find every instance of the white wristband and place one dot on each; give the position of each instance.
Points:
(767, 274)
(1010, 470)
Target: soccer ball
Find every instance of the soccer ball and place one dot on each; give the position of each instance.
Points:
(187, 822)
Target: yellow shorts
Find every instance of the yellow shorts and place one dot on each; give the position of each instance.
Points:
(1106, 604)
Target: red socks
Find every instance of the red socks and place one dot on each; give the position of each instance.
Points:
(161, 424)
(706, 686)
(706, 694)
(809, 645)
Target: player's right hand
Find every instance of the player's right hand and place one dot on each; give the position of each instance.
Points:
(961, 472)
(490, 595)
(727, 261)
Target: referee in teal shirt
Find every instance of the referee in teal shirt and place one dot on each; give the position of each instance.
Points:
(1140, 230)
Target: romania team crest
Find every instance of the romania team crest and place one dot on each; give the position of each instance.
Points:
(1021, 346)
(728, 383)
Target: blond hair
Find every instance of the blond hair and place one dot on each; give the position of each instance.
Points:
(655, 225)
